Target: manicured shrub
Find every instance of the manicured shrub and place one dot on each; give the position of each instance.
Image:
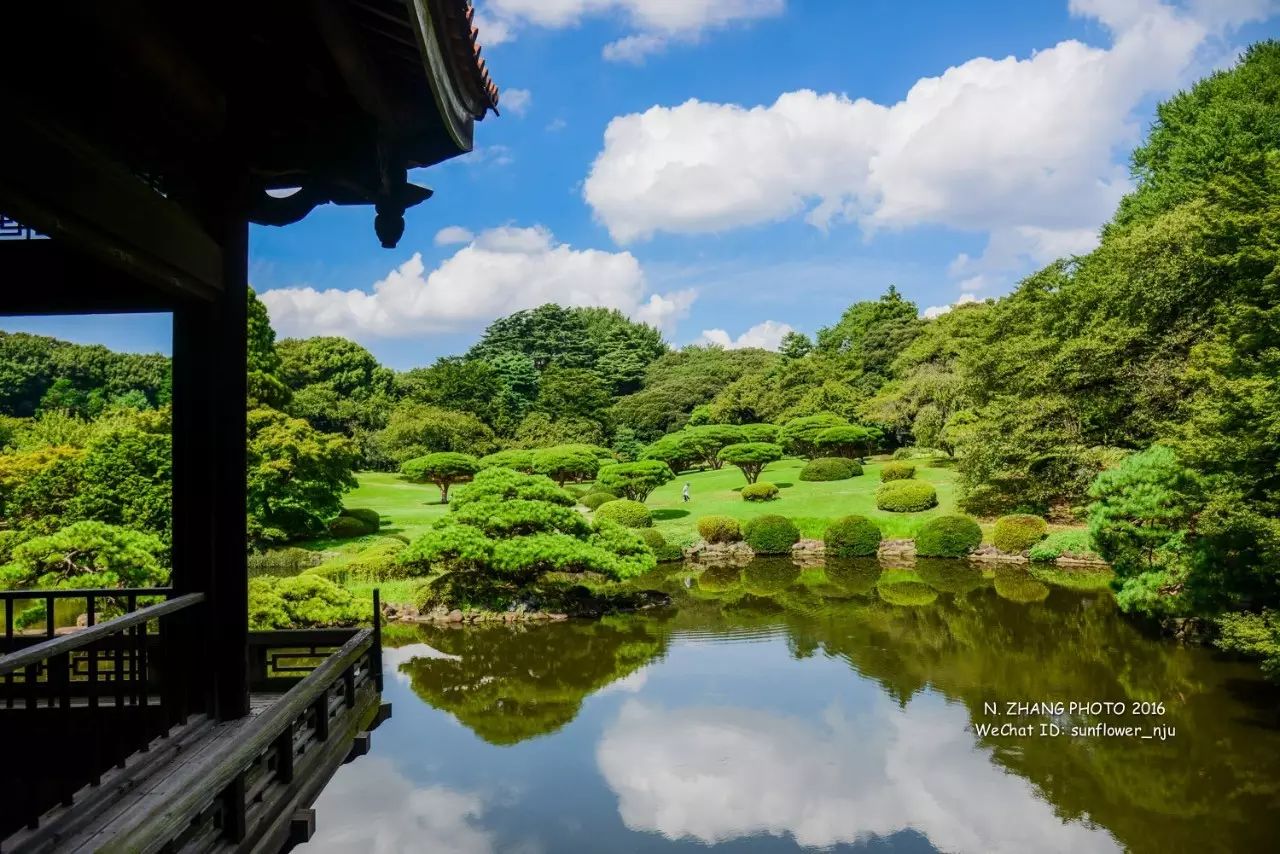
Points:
(830, 468)
(364, 514)
(1018, 532)
(1017, 585)
(719, 529)
(563, 463)
(759, 491)
(906, 496)
(948, 536)
(1070, 543)
(444, 469)
(950, 576)
(751, 457)
(520, 459)
(345, 527)
(592, 500)
(624, 511)
(897, 470)
(771, 535)
(662, 550)
(852, 536)
(761, 432)
(633, 480)
(379, 561)
(302, 602)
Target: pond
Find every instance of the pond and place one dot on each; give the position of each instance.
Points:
(850, 707)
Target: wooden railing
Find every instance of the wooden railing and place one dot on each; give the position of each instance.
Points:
(105, 690)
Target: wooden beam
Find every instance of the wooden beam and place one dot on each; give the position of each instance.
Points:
(49, 277)
(68, 190)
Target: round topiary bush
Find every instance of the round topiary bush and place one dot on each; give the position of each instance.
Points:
(897, 470)
(852, 536)
(624, 511)
(906, 496)
(948, 536)
(759, 491)
(719, 529)
(662, 550)
(830, 468)
(593, 500)
(345, 527)
(370, 517)
(771, 535)
(1019, 532)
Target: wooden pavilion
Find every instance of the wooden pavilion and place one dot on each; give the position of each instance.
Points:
(140, 138)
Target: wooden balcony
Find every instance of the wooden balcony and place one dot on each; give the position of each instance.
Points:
(116, 750)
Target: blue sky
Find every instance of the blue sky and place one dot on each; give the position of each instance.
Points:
(728, 169)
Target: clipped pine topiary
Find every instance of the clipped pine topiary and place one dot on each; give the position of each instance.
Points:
(906, 496)
(1018, 532)
(719, 529)
(370, 517)
(830, 468)
(852, 536)
(759, 491)
(593, 500)
(948, 536)
(624, 511)
(771, 535)
(897, 470)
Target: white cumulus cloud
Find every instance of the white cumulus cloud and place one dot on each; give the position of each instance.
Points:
(716, 774)
(497, 272)
(655, 23)
(767, 335)
(453, 234)
(938, 310)
(1026, 149)
(517, 101)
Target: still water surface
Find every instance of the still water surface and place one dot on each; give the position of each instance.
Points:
(783, 709)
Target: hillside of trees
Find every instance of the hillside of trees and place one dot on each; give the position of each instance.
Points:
(1136, 387)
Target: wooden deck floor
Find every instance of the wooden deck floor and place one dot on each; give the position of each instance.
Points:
(104, 812)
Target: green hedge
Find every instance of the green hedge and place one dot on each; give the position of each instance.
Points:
(897, 470)
(1018, 532)
(830, 468)
(364, 514)
(345, 527)
(948, 536)
(1074, 543)
(852, 536)
(719, 529)
(624, 511)
(906, 496)
(593, 500)
(759, 491)
(665, 552)
(771, 535)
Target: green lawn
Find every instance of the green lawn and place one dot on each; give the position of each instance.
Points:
(810, 505)
(409, 508)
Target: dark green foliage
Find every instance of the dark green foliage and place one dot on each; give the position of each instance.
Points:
(624, 511)
(948, 536)
(1017, 584)
(443, 469)
(851, 440)
(634, 480)
(265, 383)
(708, 439)
(1018, 532)
(719, 529)
(663, 551)
(567, 462)
(769, 577)
(751, 457)
(86, 555)
(830, 468)
(520, 459)
(897, 470)
(91, 376)
(1070, 543)
(718, 579)
(761, 433)
(296, 477)
(677, 450)
(1256, 635)
(906, 496)
(771, 535)
(416, 429)
(799, 435)
(304, 601)
(370, 517)
(592, 500)
(759, 491)
(869, 336)
(345, 527)
(852, 536)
